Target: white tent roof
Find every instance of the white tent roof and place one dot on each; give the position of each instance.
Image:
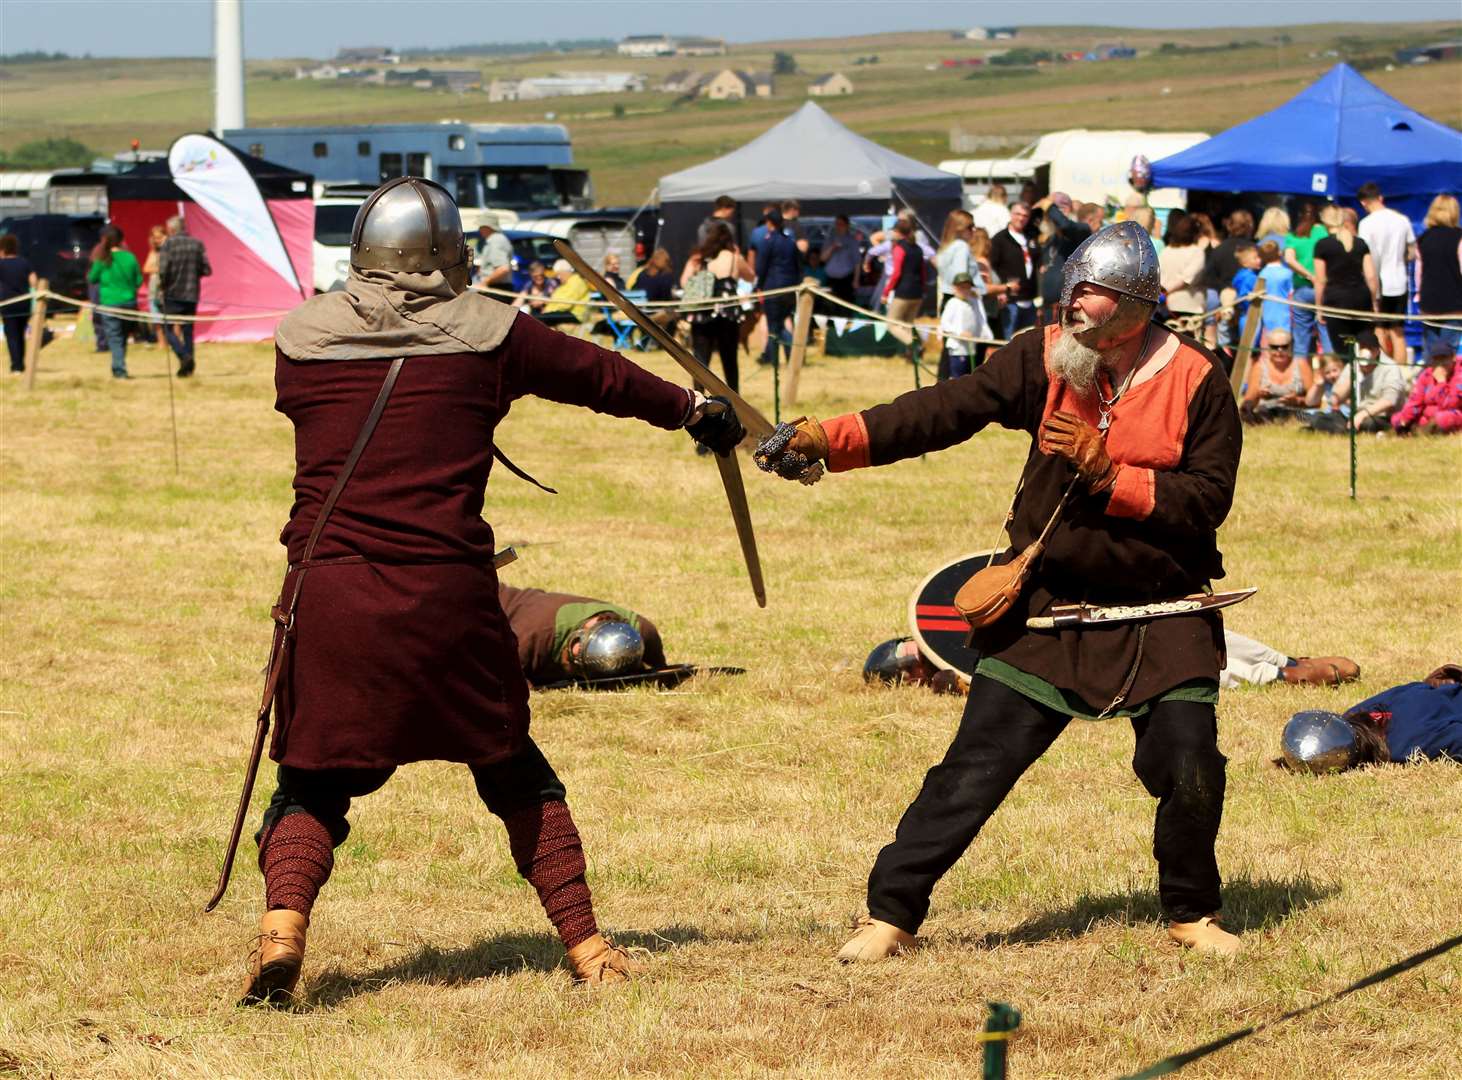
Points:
(809, 155)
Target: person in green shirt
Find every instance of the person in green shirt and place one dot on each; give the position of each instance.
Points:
(1299, 256)
(115, 271)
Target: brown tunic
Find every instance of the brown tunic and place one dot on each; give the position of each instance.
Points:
(533, 616)
(409, 656)
(1176, 437)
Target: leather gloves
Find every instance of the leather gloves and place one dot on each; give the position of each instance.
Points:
(794, 451)
(1081, 444)
(713, 423)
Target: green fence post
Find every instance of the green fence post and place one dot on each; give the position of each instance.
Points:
(1003, 1020)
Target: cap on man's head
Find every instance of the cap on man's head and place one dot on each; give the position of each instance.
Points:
(774, 216)
(962, 279)
(488, 220)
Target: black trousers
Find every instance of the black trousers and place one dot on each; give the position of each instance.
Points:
(180, 335)
(722, 336)
(1001, 735)
(523, 780)
(15, 339)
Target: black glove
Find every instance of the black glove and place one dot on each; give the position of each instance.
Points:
(714, 424)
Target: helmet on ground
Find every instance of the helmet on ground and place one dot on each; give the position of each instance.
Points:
(1316, 741)
(897, 660)
(409, 225)
(606, 649)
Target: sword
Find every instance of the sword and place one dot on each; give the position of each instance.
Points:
(1064, 616)
(753, 421)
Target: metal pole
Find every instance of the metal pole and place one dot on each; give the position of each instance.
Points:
(228, 65)
(1354, 397)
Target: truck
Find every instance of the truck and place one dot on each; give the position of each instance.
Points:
(1090, 166)
(502, 168)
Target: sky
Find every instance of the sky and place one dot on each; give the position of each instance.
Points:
(318, 28)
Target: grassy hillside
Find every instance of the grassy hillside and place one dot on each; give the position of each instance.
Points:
(898, 101)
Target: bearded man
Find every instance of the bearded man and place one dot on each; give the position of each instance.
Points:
(396, 648)
(1141, 425)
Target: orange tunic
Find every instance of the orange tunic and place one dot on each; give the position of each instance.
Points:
(1176, 438)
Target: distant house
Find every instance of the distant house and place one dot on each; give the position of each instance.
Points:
(457, 80)
(323, 71)
(699, 46)
(1425, 54)
(369, 54)
(683, 82)
(732, 85)
(977, 33)
(831, 85)
(547, 86)
(647, 45)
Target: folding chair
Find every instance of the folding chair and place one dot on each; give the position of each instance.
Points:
(623, 329)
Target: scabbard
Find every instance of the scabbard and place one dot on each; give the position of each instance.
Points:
(1074, 616)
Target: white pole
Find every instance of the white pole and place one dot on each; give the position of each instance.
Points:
(228, 65)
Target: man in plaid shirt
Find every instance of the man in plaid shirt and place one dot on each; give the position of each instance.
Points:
(182, 260)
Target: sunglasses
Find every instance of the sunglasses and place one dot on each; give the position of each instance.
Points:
(1280, 349)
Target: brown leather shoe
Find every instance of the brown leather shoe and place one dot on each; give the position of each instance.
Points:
(276, 959)
(1320, 671)
(597, 960)
(1205, 936)
(874, 939)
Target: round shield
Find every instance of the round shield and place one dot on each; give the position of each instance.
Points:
(940, 630)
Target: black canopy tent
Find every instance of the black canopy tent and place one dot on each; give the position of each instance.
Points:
(814, 159)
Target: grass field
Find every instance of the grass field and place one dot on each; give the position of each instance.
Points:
(898, 101)
(730, 825)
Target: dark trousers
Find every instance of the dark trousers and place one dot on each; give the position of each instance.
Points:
(15, 339)
(778, 309)
(180, 335)
(842, 288)
(722, 336)
(523, 780)
(1001, 735)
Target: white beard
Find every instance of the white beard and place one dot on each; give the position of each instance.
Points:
(1074, 362)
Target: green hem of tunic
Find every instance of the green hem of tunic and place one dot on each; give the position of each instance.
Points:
(1204, 691)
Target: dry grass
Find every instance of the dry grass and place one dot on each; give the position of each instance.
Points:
(106, 103)
(729, 825)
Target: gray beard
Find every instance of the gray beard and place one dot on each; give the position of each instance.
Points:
(1074, 362)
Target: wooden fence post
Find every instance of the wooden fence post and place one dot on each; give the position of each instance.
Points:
(37, 332)
(1253, 319)
(801, 331)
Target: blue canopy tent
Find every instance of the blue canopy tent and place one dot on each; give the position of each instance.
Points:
(1339, 133)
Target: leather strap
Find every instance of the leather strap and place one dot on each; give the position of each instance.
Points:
(519, 473)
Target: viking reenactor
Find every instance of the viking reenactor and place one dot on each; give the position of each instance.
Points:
(566, 637)
(1134, 452)
(390, 643)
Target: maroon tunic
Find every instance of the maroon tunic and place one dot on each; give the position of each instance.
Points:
(409, 656)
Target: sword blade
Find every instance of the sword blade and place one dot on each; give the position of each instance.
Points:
(730, 467)
(753, 421)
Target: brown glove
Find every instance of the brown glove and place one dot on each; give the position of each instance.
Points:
(794, 451)
(1081, 444)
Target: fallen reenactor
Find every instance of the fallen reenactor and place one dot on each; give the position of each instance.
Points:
(574, 641)
(1416, 720)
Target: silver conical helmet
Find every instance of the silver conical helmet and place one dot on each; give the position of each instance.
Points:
(409, 225)
(1120, 257)
(1316, 741)
(609, 649)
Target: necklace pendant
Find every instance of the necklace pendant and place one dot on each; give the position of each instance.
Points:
(1105, 421)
